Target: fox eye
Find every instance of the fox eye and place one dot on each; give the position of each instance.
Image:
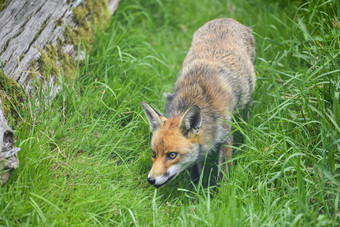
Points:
(153, 154)
(172, 155)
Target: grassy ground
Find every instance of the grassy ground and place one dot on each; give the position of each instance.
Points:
(84, 157)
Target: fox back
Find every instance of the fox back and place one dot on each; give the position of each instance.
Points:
(217, 76)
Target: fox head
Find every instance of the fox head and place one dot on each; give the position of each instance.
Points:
(175, 143)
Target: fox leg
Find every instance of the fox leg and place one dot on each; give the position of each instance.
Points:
(196, 172)
(226, 154)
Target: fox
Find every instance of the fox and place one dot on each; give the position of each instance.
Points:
(217, 78)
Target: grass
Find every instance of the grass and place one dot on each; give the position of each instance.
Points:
(85, 156)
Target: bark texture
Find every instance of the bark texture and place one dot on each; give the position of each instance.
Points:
(8, 151)
(29, 32)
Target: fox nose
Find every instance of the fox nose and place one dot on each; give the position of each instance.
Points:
(151, 180)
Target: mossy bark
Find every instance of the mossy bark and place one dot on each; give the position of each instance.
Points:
(12, 97)
(43, 36)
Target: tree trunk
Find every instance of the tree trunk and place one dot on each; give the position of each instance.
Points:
(38, 40)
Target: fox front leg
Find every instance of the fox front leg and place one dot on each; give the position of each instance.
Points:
(196, 170)
(226, 155)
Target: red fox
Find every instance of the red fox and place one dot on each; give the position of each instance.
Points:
(217, 76)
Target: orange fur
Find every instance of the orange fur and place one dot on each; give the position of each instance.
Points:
(168, 139)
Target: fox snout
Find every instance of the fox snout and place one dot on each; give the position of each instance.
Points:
(165, 168)
(163, 171)
(151, 180)
(161, 180)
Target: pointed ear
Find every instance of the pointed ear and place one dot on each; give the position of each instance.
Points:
(153, 115)
(191, 121)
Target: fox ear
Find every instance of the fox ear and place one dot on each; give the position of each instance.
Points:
(191, 121)
(153, 115)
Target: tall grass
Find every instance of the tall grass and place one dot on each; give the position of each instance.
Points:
(85, 156)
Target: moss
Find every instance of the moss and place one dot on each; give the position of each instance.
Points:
(59, 22)
(69, 66)
(59, 43)
(12, 97)
(80, 13)
(21, 57)
(3, 4)
(49, 59)
(88, 16)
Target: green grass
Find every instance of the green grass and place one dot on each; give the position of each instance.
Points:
(85, 156)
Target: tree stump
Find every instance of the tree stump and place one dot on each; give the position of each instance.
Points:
(38, 40)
